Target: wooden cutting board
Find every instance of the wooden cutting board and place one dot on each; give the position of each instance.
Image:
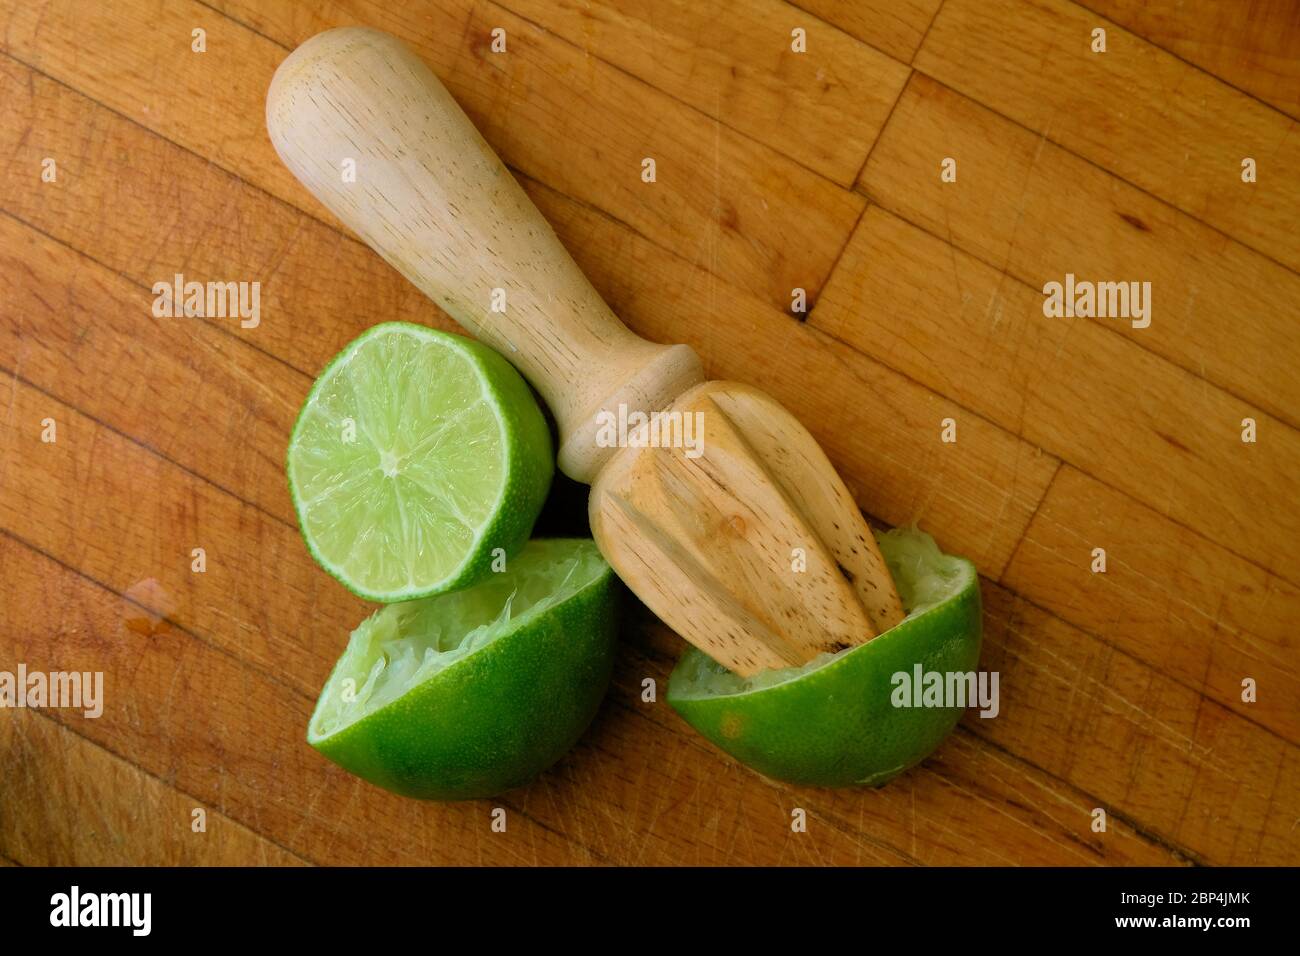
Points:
(801, 236)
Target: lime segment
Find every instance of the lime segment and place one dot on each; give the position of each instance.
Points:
(833, 722)
(416, 454)
(471, 693)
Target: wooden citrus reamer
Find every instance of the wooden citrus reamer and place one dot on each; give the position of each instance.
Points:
(752, 550)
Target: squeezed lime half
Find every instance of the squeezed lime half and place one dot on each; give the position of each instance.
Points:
(417, 454)
(472, 693)
(833, 722)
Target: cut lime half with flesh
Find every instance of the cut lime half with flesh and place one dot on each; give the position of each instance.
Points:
(416, 455)
(472, 693)
(835, 720)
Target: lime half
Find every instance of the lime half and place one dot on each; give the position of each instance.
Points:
(471, 693)
(833, 722)
(416, 455)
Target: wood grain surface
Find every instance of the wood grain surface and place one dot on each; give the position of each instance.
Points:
(776, 170)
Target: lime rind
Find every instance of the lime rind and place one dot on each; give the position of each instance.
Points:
(404, 644)
(832, 722)
(442, 531)
(518, 668)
